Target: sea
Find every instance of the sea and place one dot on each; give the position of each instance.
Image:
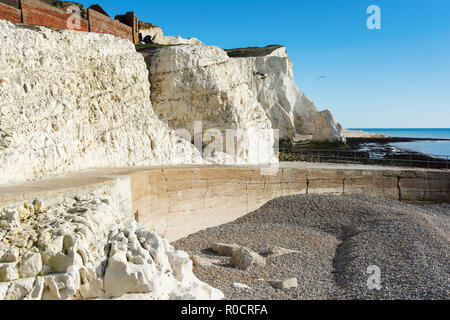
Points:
(439, 149)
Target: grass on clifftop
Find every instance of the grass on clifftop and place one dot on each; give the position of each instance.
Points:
(140, 47)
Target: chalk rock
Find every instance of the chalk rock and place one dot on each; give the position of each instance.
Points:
(4, 286)
(244, 259)
(31, 265)
(197, 83)
(278, 251)
(60, 286)
(91, 249)
(121, 278)
(157, 34)
(92, 290)
(241, 286)
(36, 292)
(20, 289)
(12, 255)
(62, 262)
(326, 128)
(202, 262)
(284, 284)
(98, 100)
(8, 272)
(224, 249)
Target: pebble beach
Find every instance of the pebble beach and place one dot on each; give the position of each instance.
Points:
(334, 239)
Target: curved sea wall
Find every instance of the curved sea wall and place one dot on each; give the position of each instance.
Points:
(73, 100)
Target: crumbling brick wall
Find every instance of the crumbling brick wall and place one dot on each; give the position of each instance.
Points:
(10, 13)
(39, 13)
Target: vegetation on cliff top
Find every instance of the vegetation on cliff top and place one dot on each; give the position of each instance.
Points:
(252, 51)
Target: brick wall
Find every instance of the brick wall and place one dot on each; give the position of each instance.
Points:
(36, 12)
(10, 13)
(131, 20)
(99, 23)
(39, 13)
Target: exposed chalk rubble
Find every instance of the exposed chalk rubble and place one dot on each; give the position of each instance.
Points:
(86, 249)
(74, 100)
(241, 257)
(201, 84)
(203, 262)
(224, 249)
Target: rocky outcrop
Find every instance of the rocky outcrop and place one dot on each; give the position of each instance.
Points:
(86, 249)
(244, 258)
(254, 90)
(75, 100)
(200, 84)
(326, 128)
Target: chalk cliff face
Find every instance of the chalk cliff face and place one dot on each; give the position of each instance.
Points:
(88, 249)
(202, 83)
(198, 83)
(73, 100)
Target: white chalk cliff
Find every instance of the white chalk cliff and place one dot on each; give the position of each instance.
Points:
(76, 100)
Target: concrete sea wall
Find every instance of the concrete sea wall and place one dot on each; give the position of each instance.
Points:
(177, 201)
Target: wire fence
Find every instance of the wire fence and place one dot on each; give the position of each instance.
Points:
(411, 160)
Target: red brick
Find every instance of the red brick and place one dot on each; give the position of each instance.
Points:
(100, 23)
(10, 13)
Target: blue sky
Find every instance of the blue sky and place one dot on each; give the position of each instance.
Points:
(396, 77)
